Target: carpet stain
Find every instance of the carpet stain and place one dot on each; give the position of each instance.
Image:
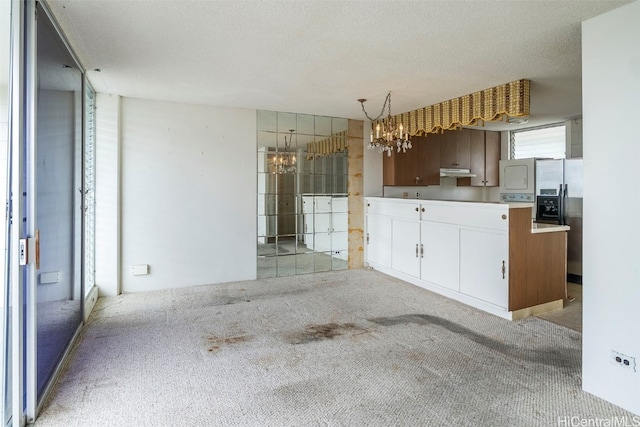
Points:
(558, 357)
(326, 331)
(215, 343)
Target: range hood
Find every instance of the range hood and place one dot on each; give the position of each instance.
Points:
(457, 173)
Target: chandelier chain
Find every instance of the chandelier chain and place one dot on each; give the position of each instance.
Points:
(387, 101)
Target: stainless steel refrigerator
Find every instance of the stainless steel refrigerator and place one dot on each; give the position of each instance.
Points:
(564, 179)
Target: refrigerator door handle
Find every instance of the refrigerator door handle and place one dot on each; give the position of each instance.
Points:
(565, 196)
(560, 206)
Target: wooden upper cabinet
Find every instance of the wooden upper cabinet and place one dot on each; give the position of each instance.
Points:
(399, 168)
(428, 160)
(455, 149)
(484, 159)
(492, 159)
(418, 166)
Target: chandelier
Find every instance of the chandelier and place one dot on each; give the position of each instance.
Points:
(390, 135)
(285, 162)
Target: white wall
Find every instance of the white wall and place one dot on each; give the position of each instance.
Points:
(611, 281)
(371, 166)
(188, 194)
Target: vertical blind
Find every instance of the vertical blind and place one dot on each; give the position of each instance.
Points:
(545, 142)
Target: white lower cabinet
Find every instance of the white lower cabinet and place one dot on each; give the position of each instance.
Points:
(440, 262)
(459, 250)
(484, 265)
(379, 240)
(405, 246)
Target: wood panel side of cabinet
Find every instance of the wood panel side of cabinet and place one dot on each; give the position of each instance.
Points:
(537, 263)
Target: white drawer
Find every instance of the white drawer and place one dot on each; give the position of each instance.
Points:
(395, 209)
(495, 217)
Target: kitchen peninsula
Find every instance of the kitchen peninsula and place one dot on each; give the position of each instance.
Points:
(487, 255)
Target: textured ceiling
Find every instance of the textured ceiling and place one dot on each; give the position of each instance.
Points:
(319, 57)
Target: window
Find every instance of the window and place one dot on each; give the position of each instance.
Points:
(545, 142)
(89, 189)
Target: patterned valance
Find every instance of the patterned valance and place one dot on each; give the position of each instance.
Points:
(489, 105)
(333, 144)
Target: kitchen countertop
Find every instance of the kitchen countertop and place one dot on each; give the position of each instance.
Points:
(537, 227)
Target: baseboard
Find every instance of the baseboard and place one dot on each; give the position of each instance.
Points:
(537, 309)
(90, 302)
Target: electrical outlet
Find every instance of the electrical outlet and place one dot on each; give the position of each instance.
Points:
(405, 195)
(625, 362)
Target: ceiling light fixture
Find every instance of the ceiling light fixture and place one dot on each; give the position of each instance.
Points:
(285, 161)
(390, 135)
(517, 120)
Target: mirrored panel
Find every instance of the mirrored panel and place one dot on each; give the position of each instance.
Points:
(302, 194)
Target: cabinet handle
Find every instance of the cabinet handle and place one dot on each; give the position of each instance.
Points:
(416, 250)
(422, 209)
(417, 209)
(368, 204)
(504, 269)
(504, 216)
(421, 250)
(367, 238)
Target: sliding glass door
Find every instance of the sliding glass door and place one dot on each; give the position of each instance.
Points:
(44, 252)
(56, 216)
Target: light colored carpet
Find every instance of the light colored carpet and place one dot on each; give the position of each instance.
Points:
(349, 348)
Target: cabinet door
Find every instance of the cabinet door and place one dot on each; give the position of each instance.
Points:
(484, 158)
(308, 230)
(448, 149)
(405, 247)
(379, 240)
(440, 257)
(400, 168)
(455, 149)
(428, 150)
(463, 148)
(492, 159)
(477, 149)
(484, 265)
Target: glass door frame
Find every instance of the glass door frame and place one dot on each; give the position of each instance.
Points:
(21, 270)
